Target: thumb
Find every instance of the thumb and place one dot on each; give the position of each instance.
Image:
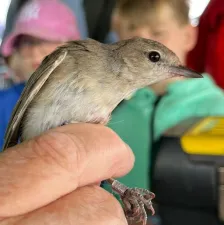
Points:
(42, 170)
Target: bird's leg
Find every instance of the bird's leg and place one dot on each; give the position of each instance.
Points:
(134, 200)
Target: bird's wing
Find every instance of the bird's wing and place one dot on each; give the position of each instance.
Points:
(34, 84)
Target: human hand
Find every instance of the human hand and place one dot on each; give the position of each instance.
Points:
(53, 178)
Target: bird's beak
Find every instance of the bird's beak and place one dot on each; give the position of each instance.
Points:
(183, 71)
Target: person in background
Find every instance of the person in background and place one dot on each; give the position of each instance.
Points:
(207, 56)
(41, 26)
(170, 101)
(75, 5)
(8, 78)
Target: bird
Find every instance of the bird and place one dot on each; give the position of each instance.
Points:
(83, 81)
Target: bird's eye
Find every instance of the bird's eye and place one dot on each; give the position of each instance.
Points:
(154, 56)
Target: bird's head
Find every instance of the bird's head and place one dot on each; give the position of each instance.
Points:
(141, 62)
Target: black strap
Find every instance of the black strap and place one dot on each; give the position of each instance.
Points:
(98, 17)
(154, 144)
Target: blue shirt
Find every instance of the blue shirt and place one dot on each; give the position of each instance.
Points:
(8, 99)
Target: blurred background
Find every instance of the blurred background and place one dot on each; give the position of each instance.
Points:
(196, 9)
(176, 127)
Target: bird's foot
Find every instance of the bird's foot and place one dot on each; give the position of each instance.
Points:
(134, 200)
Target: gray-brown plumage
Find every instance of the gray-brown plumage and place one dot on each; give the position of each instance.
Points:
(83, 81)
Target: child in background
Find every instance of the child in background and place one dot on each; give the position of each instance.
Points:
(41, 26)
(165, 21)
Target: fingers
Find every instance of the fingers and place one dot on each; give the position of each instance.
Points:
(87, 205)
(37, 172)
(103, 154)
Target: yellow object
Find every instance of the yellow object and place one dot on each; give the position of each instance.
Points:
(205, 138)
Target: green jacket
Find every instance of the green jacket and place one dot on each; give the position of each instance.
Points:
(131, 119)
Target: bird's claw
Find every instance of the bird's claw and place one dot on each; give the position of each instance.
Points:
(135, 200)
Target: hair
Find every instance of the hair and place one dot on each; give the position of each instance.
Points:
(137, 12)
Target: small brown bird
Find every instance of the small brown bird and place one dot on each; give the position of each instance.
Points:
(83, 81)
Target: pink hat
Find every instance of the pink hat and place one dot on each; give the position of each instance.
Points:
(46, 19)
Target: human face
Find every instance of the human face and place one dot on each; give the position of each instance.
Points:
(164, 27)
(30, 52)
